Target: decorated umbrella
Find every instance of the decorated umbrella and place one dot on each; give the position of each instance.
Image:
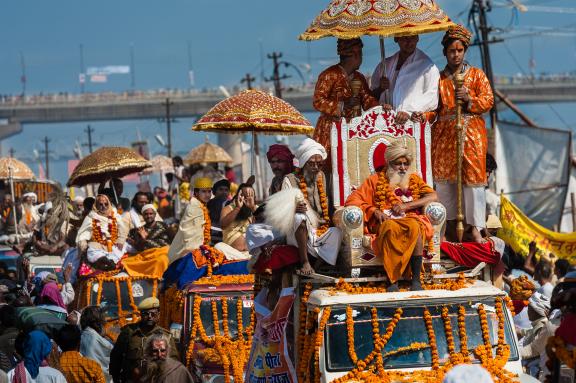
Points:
(105, 163)
(207, 153)
(11, 169)
(160, 164)
(348, 19)
(257, 112)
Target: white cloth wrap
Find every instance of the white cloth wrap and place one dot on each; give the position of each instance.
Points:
(416, 87)
(325, 246)
(474, 201)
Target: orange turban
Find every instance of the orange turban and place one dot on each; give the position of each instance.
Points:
(457, 32)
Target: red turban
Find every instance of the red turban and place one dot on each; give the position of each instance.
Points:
(281, 152)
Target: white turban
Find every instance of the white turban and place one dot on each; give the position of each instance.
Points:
(539, 303)
(307, 149)
(31, 194)
(467, 373)
(148, 206)
(397, 150)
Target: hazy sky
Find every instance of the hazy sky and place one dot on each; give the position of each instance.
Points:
(226, 38)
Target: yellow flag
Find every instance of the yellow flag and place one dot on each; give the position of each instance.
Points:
(518, 231)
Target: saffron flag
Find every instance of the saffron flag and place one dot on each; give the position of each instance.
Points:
(518, 231)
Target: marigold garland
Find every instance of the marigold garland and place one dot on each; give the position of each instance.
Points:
(323, 198)
(484, 327)
(435, 359)
(214, 256)
(521, 288)
(318, 342)
(218, 280)
(350, 333)
(98, 235)
(556, 349)
(462, 332)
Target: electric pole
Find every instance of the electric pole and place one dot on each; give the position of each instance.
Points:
(276, 78)
(82, 76)
(168, 119)
(89, 130)
(46, 140)
(11, 151)
(248, 80)
(23, 76)
(132, 69)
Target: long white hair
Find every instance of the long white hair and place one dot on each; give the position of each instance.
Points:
(280, 210)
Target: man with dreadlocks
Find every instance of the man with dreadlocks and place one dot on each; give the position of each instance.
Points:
(341, 91)
(477, 98)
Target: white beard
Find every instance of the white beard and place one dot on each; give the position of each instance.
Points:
(398, 180)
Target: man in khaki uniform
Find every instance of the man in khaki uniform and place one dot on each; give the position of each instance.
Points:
(129, 350)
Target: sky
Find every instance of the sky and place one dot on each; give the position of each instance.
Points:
(227, 39)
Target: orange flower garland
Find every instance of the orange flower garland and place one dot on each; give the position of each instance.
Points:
(224, 303)
(350, 331)
(376, 337)
(448, 331)
(323, 199)
(484, 326)
(556, 349)
(462, 332)
(98, 236)
(318, 342)
(215, 257)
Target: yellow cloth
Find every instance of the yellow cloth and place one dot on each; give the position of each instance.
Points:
(148, 263)
(518, 231)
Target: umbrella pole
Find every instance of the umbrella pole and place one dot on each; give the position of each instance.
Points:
(11, 179)
(383, 61)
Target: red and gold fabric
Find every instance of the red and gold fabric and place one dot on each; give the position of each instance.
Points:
(332, 89)
(444, 159)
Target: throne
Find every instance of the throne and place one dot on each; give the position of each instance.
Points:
(358, 148)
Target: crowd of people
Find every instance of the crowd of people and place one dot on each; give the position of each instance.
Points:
(205, 224)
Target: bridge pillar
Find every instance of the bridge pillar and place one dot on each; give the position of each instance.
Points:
(232, 143)
(7, 129)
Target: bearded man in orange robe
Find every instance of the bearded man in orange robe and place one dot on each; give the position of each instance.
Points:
(477, 98)
(341, 91)
(392, 202)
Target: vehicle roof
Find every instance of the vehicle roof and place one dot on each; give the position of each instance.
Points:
(46, 260)
(328, 297)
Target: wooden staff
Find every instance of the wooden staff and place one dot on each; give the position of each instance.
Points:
(458, 82)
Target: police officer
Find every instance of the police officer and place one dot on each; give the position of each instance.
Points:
(126, 359)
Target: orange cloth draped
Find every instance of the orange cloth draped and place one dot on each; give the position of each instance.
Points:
(333, 88)
(444, 163)
(148, 263)
(396, 238)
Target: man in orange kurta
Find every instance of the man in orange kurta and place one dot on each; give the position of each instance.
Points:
(477, 98)
(341, 91)
(391, 201)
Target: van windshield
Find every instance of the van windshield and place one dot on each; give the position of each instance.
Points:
(410, 329)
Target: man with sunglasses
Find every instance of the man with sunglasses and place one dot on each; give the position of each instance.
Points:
(128, 354)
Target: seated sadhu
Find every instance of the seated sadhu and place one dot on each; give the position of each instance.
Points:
(392, 200)
(102, 236)
(153, 234)
(311, 231)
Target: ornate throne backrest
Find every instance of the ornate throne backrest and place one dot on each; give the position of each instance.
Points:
(358, 148)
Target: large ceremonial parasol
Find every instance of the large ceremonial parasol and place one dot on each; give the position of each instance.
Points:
(348, 19)
(256, 112)
(159, 164)
(207, 153)
(11, 169)
(105, 163)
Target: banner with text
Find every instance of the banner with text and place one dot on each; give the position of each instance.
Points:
(518, 231)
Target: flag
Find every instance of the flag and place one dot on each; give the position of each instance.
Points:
(107, 70)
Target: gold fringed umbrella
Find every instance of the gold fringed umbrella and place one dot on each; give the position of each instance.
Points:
(254, 111)
(160, 164)
(348, 19)
(17, 170)
(105, 163)
(207, 153)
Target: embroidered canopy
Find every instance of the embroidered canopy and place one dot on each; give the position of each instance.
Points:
(105, 163)
(19, 170)
(207, 153)
(254, 111)
(349, 19)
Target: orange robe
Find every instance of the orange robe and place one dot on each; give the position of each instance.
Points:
(332, 89)
(396, 238)
(444, 159)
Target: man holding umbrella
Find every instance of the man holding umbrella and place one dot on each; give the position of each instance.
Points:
(341, 91)
(411, 79)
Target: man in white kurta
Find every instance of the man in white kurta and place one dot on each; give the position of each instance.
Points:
(411, 80)
(309, 214)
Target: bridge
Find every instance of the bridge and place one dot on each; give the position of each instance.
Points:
(53, 108)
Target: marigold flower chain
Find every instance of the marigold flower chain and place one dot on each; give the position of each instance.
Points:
(350, 335)
(318, 342)
(99, 237)
(556, 349)
(462, 332)
(323, 199)
(484, 326)
(431, 339)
